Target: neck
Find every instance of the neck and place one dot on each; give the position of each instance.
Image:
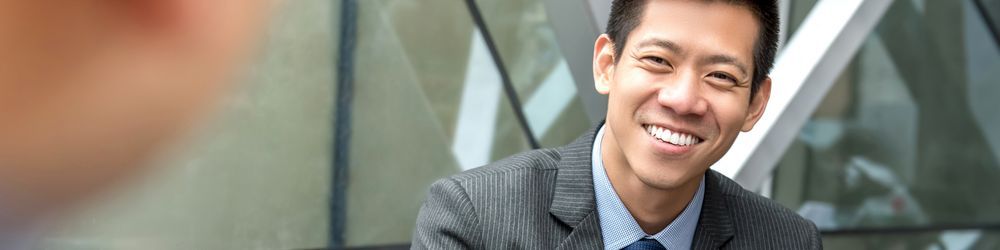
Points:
(653, 208)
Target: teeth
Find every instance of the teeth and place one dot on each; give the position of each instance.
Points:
(670, 136)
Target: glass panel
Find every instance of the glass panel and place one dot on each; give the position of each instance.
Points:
(797, 12)
(907, 136)
(537, 69)
(257, 178)
(428, 103)
(992, 9)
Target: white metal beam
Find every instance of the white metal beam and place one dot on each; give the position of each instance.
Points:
(477, 112)
(577, 25)
(803, 73)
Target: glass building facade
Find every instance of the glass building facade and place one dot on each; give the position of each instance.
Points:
(903, 151)
(353, 108)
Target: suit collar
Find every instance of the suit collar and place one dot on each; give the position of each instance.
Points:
(573, 200)
(715, 227)
(574, 204)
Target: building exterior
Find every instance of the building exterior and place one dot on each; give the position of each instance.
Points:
(883, 126)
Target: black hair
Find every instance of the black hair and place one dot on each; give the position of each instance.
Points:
(626, 15)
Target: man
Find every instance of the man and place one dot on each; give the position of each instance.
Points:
(90, 90)
(683, 78)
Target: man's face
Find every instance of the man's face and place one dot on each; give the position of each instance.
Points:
(680, 91)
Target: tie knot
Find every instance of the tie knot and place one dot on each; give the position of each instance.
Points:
(645, 244)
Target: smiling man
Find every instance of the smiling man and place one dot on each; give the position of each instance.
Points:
(683, 79)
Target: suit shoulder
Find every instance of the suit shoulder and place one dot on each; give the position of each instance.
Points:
(764, 218)
(529, 161)
(520, 186)
(769, 210)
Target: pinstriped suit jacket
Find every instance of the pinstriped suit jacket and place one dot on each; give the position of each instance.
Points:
(544, 199)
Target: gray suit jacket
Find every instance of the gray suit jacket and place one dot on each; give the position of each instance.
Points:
(544, 199)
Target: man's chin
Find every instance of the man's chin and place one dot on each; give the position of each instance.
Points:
(668, 180)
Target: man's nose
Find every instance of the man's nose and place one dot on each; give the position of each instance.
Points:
(683, 96)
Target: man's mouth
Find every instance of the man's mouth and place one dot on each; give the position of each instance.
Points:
(672, 137)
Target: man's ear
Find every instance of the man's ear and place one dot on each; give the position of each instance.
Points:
(604, 63)
(757, 106)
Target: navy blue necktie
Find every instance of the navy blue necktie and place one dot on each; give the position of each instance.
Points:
(645, 244)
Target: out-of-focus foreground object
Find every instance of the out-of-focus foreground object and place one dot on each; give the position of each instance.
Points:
(91, 90)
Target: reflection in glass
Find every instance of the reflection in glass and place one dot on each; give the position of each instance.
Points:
(427, 103)
(931, 239)
(907, 136)
(538, 71)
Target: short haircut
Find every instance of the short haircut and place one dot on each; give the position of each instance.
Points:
(626, 15)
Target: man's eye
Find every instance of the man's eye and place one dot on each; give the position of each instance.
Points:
(656, 60)
(722, 76)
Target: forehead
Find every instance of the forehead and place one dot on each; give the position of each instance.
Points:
(713, 27)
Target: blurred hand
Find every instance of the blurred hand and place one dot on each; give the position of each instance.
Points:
(90, 90)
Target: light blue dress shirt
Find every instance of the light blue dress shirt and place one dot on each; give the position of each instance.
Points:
(618, 226)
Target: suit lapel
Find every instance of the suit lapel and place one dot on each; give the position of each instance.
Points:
(586, 235)
(715, 227)
(573, 202)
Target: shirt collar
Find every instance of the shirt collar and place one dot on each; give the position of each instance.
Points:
(620, 229)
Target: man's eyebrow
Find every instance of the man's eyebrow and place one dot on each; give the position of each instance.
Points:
(666, 44)
(725, 59)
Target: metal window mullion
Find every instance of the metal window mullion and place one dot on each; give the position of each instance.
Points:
(508, 87)
(990, 23)
(342, 123)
